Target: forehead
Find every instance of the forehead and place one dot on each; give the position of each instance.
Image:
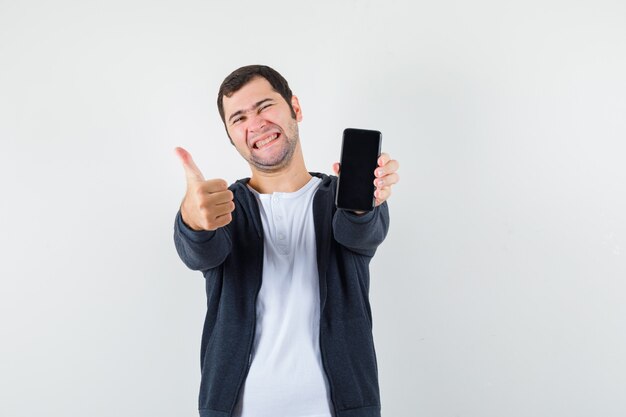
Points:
(254, 91)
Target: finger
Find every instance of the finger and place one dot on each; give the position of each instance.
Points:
(387, 180)
(383, 159)
(215, 223)
(336, 168)
(215, 186)
(223, 220)
(222, 209)
(221, 197)
(192, 172)
(390, 167)
(382, 195)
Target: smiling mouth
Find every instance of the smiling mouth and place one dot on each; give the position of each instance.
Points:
(265, 141)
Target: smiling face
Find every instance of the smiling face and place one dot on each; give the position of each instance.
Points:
(261, 125)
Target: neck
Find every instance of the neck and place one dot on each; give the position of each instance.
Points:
(286, 180)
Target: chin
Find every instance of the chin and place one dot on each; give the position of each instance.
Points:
(274, 164)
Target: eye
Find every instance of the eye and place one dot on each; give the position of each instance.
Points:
(265, 107)
(237, 120)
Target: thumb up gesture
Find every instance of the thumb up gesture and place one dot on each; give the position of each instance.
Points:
(208, 204)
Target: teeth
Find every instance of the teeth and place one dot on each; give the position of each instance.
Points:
(266, 141)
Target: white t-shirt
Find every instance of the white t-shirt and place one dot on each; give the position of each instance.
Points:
(286, 377)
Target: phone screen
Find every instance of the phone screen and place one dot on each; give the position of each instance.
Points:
(359, 155)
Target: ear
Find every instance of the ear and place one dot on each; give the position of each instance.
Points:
(296, 108)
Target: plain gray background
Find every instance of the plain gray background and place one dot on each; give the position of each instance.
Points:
(500, 290)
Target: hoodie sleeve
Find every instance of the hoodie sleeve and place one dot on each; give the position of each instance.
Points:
(361, 233)
(201, 250)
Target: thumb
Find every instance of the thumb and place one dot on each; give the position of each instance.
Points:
(192, 172)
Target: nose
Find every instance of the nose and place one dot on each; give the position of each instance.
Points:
(256, 123)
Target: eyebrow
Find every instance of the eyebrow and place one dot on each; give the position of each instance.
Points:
(255, 106)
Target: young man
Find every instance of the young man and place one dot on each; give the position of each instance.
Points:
(288, 329)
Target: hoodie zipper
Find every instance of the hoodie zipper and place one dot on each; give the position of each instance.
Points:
(330, 388)
(323, 301)
(245, 374)
(256, 295)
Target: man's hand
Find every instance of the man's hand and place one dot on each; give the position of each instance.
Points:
(385, 174)
(208, 204)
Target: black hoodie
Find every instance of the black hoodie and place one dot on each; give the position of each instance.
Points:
(231, 259)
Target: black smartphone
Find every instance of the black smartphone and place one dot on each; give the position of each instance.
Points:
(359, 158)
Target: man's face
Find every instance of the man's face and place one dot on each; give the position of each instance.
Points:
(260, 124)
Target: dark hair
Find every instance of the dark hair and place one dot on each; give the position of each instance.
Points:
(242, 76)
